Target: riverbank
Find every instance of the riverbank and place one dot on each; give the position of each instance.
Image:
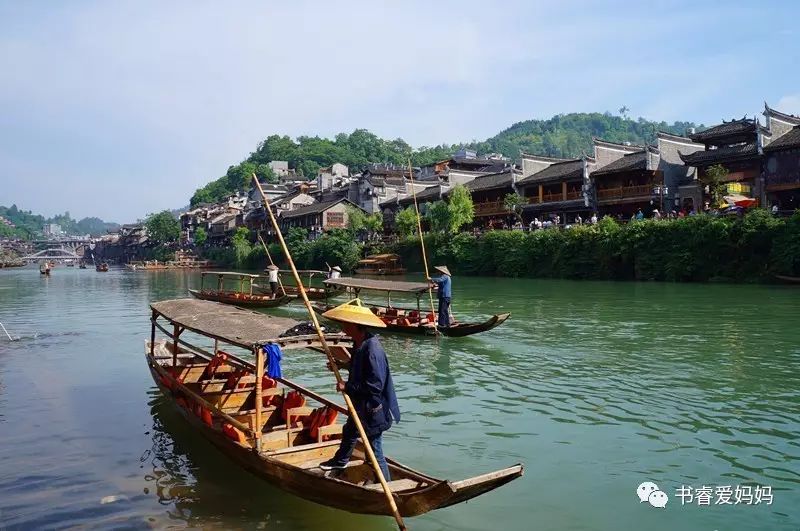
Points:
(702, 248)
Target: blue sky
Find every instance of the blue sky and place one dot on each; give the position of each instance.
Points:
(119, 109)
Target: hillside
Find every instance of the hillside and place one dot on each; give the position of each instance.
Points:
(564, 135)
(28, 225)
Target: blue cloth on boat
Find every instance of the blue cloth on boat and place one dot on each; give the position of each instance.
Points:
(444, 286)
(274, 355)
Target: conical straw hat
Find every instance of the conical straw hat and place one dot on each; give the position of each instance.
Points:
(353, 312)
(443, 269)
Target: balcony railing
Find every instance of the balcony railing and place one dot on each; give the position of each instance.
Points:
(558, 196)
(625, 191)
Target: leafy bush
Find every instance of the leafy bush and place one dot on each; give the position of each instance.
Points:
(697, 248)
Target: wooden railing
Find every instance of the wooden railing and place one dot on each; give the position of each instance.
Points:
(558, 196)
(625, 191)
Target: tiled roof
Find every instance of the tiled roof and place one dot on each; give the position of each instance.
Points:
(723, 154)
(630, 162)
(491, 181)
(570, 169)
(542, 158)
(432, 193)
(617, 145)
(790, 118)
(788, 141)
(316, 208)
(734, 127)
(387, 172)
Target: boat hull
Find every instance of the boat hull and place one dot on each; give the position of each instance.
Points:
(787, 279)
(229, 298)
(316, 486)
(457, 330)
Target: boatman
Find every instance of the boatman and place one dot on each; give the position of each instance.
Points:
(444, 295)
(369, 385)
(334, 273)
(272, 271)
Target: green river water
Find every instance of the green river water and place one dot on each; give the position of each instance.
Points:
(594, 386)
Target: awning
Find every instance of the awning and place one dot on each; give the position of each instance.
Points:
(237, 326)
(379, 285)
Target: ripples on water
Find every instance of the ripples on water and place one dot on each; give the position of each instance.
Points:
(594, 386)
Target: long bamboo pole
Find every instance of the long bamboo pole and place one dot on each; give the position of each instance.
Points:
(422, 243)
(334, 367)
(280, 282)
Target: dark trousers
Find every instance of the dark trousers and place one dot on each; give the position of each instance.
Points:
(274, 287)
(444, 312)
(348, 444)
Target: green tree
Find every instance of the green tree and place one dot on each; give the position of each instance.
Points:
(200, 236)
(265, 173)
(439, 216)
(513, 203)
(406, 222)
(298, 244)
(461, 208)
(356, 219)
(240, 176)
(713, 179)
(374, 223)
(241, 245)
(163, 227)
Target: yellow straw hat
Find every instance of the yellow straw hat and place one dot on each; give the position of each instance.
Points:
(443, 269)
(353, 312)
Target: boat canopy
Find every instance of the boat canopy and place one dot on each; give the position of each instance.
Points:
(379, 285)
(304, 271)
(233, 325)
(229, 274)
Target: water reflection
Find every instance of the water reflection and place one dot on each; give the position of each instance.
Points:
(201, 487)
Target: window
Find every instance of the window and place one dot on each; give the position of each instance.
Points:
(334, 219)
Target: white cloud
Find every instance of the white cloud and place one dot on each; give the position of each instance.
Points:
(789, 104)
(118, 109)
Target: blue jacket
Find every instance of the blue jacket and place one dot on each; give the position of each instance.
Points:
(370, 387)
(444, 286)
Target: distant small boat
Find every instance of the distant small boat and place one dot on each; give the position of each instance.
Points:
(242, 296)
(101, 268)
(787, 279)
(82, 265)
(380, 264)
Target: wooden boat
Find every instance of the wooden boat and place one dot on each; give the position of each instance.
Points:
(380, 264)
(147, 265)
(101, 268)
(410, 320)
(244, 296)
(787, 279)
(314, 293)
(224, 402)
